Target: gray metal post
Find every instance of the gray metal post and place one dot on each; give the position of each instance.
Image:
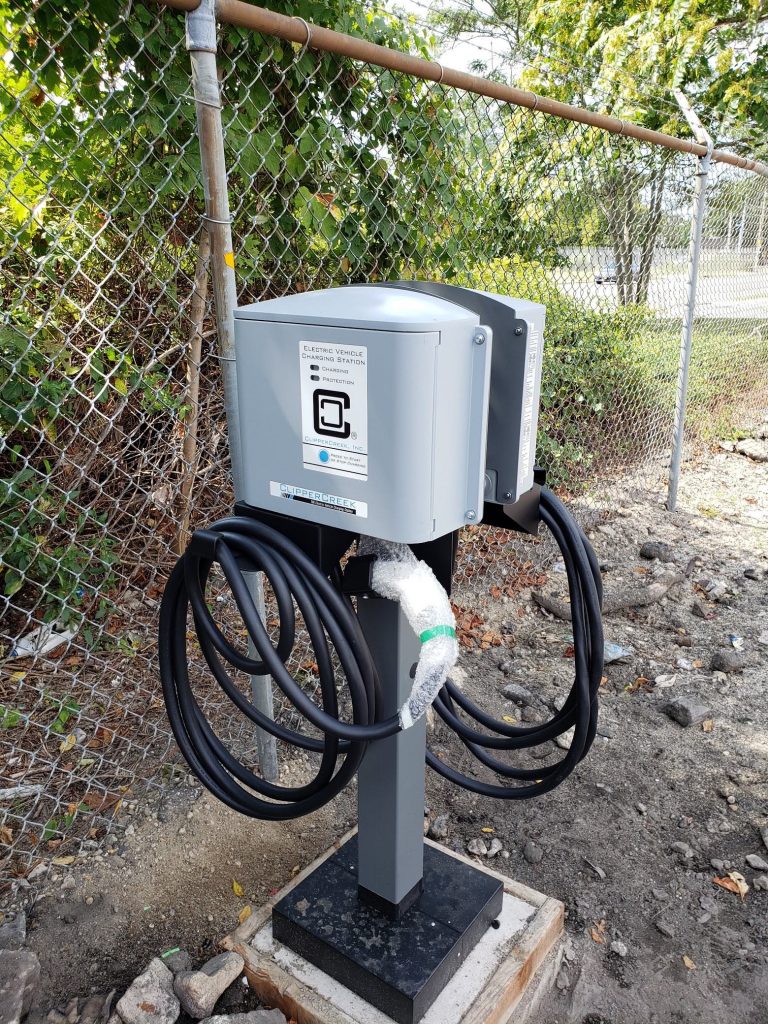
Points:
(742, 225)
(686, 337)
(201, 44)
(760, 229)
(391, 776)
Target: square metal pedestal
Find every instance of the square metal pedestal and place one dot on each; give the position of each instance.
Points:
(398, 966)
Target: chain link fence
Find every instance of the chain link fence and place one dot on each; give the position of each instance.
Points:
(111, 410)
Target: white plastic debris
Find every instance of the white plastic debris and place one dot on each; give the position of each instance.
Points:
(42, 640)
(399, 576)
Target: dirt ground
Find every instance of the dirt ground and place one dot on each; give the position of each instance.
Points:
(650, 936)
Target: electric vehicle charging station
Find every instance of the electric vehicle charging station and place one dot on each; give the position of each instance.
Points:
(375, 422)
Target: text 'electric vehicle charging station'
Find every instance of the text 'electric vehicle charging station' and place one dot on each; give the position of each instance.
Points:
(375, 422)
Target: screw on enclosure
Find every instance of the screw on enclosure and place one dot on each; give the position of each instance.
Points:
(479, 338)
(507, 495)
(471, 514)
(518, 330)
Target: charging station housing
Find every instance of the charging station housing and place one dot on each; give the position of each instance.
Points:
(366, 407)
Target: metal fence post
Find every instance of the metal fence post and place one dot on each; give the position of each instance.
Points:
(760, 228)
(201, 44)
(686, 336)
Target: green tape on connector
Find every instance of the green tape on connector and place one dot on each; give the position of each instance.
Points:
(430, 634)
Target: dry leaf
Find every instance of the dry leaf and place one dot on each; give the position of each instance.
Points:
(708, 724)
(733, 882)
(689, 963)
(509, 718)
(295, 870)
(597, 932)
(63, 861)
(244, 914)
(6, 835)
(486, 829)
(67, 743)
(237, 889)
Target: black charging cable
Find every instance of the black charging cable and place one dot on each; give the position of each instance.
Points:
(579, 712)
(239, 544)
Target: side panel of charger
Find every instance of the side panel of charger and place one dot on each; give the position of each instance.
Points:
(518, 332)
(365, 409)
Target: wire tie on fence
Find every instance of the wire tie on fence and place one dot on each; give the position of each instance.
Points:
(205, 103)
(308, 40)
(623, 126)
(438, 81)
(225, 359)
(535, 106)
(214, 220)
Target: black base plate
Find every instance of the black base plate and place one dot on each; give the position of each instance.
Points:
(398, 966)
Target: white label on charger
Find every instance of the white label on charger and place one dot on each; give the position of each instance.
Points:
(334, 408)
(310, 496)
(527, 453)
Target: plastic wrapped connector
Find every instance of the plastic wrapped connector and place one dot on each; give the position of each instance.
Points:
(398, 575)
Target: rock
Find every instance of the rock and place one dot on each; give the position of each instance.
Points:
(438, 830)
(687, 711)
(760, 882)
(38, 871)
(565, 740)
(665, 928)
(619, 948)
(533, 853)
(95, 1008)
(684, 850)
(19, 980)
(495, 847)
(641, 808)
(531, 715)
(252, 1017)
(477, 848)
(519, 695)
(562, 981)
(506, 666)
(728, 661)
(68, 884)
(702, 610)
(716, 864)
(150, 998)
(657, 549)
(13, 933)
(757, 862)
(199, 991)
(751, 573)
(753, 449)
(177, 961)
(764, 836)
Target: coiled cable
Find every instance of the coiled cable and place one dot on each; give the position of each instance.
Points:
(579, 711)
(239, 544)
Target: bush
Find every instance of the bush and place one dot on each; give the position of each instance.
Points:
(597, 394)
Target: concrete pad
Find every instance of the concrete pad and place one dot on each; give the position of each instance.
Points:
(499, 972)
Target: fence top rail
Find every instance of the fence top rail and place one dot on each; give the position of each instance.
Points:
(297, 30)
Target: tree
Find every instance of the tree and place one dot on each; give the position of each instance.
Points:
(625, 58)
(331, 167)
